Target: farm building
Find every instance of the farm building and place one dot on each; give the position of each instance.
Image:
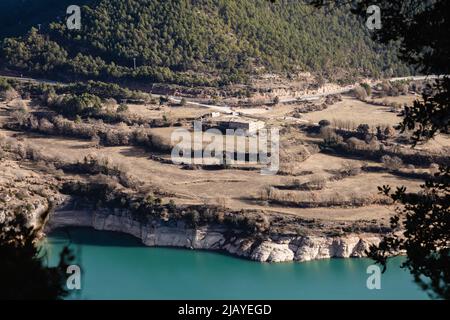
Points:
(249, 126)
(234, 123)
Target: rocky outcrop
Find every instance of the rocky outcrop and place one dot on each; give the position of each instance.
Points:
(215, 237)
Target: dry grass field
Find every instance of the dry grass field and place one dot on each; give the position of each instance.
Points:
(171, 112)
(350, 109)
(236, 188)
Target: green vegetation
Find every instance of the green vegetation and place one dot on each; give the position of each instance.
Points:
(7, 92)
(104, 90)
(4, 85)
(203, 42)
(122, 108)
(110, 93)
(367, 87)
(77, 105)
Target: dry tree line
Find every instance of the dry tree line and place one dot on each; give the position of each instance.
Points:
(97, 131)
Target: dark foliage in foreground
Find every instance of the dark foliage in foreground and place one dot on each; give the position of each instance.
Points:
(431, 116)
(425, 221)
(421, 28)
(23, 274)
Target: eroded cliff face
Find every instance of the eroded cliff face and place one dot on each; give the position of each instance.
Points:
(215, 237)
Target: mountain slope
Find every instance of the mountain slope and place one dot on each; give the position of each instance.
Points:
(201, 42)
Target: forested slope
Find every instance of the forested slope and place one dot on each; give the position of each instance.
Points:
(199, 42)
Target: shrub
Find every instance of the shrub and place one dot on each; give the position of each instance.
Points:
(350, 169)
(269, 193)
(404, 89)
(4, 85)
(363, 129)
(372, 143)
(360, 93)
(385, 102)
(122, 108)
(110, 103)
(111, 138)
(367, 87)
(163, 100)
(22, 151)
(95, 141)
(395, 106)
(193, 217)
(389, 132)
(391, 163)
(394, 92)
(34, 154)
(151, 200)
(276, 100)
(142, 137)
(354, 143)
(159, 143)
(19, 105)
(9, 94)
(434, 169)
(324, 123)
(46, 126)
(330, 137)
(296, 184)
(129, 181)
(317, 182)
(385, 87)
(327, 132)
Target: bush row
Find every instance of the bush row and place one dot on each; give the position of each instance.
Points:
(317, 200)
(97, 131)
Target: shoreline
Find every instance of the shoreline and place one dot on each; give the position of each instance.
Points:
(276, 249)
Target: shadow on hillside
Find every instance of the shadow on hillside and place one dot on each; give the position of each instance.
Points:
(89, 236)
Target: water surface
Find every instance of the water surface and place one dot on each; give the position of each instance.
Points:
(118, 266)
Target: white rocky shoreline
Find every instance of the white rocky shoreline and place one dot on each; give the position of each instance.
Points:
(217, 238)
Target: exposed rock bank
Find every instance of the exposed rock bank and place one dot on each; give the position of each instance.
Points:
(275, 249)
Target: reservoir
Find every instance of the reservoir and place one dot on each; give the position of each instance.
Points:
(118, 266)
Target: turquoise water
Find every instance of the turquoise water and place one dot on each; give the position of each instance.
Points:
(117, 266)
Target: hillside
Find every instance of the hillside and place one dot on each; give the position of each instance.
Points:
(204, 42)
